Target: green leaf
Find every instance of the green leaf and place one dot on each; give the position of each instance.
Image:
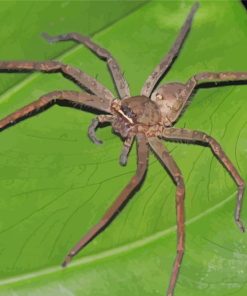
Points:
(22, 23)
(56, 184)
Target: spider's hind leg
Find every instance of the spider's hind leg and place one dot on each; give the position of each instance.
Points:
(211, 79)
(163, 67)
(203, 138)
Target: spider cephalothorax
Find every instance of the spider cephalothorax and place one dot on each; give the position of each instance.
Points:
(148, 118)
(135, 114)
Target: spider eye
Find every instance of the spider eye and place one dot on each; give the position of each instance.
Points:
(128, 112)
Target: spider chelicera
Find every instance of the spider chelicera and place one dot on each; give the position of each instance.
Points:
(148, 118)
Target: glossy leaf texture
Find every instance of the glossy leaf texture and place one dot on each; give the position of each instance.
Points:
(55, 184)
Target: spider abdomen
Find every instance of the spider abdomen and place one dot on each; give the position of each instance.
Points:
(170, 101)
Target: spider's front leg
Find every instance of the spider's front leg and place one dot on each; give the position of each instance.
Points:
(118, 77)
(119, 203)
(170, 164)
(72, 97)
(69, 72)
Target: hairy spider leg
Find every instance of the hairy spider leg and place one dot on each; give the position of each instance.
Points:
(120, 202)
(169, 58)
(167, 160)
(74, 74)
(55, 97)
(207, 77)
(203, 138)
(118, 78)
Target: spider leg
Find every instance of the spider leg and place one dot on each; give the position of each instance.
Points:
(55, 97)
(92, 127)
(207, 77)
(170, 164)
(126, 149)
(169, 58)
(81, 78)
(201, 137)
(118, 78)
(120, 202)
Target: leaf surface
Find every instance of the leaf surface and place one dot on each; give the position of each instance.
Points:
(56, 184)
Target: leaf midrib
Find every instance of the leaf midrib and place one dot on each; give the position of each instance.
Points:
(116, 251)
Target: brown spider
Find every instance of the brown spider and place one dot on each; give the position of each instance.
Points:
(148, 117)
